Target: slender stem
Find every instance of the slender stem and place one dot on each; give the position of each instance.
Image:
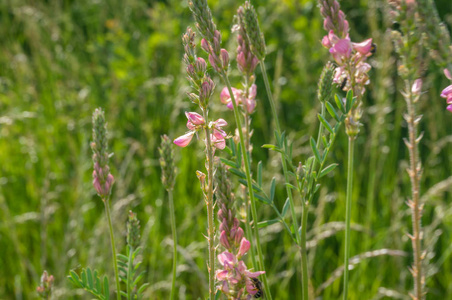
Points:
(129, 273)
(351, 144)
(209, 203)
(283, 160)
(415, 205)
(304, 256)
(304, 224)
(245, 197)
(113, 248)
(173, 230)
(249, 183)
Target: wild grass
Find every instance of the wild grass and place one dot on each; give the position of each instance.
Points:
(59, 60)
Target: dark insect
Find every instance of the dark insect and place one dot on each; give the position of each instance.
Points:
(373, 48)
(258, 286)
(344, 82)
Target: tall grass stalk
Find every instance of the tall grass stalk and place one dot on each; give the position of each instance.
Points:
(173, 231)
(351, 145)
(414, 172)
(113, 247)
(246, 159)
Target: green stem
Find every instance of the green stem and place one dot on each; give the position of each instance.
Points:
(283, 160)
(248, 144)
(209, 203)
(129, 273)
(351, 144)
(249, 183)
(113, 249)
(173, 230)
(304, 256)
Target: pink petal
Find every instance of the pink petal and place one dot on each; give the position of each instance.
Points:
(244, 247)
(417, 86)
(184, 140)
(363, 47)
(254, 274)
(195, 118)
(449, 107)
(224, 96)
(252, 91)
(446, 91)
(221, 122)
(447, 73)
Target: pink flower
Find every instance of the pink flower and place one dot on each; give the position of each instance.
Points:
(184, 140)
(342, 49)
(244, 247)
(364, 47)
(417, 86)
(194, 118)
(447, 94)
(225, 97)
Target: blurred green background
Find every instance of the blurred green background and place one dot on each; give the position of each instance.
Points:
(60, 59)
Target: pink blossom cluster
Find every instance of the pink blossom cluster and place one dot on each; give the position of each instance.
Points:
(218, 57)
(102, 179)
(248, 103)
(195, 123)
(246, 60)
(351, 57)
(236, 281)
(447, 92)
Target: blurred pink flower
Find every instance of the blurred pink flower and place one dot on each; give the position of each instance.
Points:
(185, 139)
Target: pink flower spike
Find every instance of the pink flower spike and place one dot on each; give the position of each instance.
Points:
(449, 108)
(244, 247)
(417, 86)
(184, 140)
(363, 47)
(195, 118)
(447, 73)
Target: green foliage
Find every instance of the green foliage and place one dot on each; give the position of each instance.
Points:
(90, 282)
(131, 275)
(62, 59)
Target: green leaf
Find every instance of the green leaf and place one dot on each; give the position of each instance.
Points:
(327, 170)
(259, 174)
(90, 278)
(339, 103)
(332, 111)
(262, 199)
(272, 189)
(285, 208)
(267, 223)
(84, 277)
(237, 172)
(255, 187)
(229, 162)
(291, 186)
(106, 288)
(315, 150)
(269, 146)
(325, 123)
(122, 257)
(142, 288)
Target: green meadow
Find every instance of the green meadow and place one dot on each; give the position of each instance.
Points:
(61, 59)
